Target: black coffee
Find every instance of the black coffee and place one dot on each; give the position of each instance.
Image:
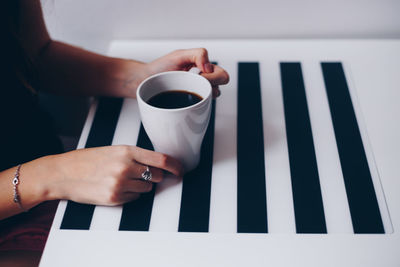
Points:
(174, 99)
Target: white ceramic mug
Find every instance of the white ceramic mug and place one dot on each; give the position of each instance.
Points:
(176, 132)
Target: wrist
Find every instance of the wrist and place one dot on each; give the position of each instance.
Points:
(53, 171)
(41, 177)
(131, 73)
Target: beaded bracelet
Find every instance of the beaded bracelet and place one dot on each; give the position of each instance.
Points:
(17, 198)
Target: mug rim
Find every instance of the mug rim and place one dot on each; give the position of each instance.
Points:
(139, 98)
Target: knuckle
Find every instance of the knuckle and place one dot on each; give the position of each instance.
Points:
(113, 198)
(124, 151)
(115, 185)
(124, 170)
(115, 191)
(121, 169)
(163, 160)
(226, 77)
(203, 51)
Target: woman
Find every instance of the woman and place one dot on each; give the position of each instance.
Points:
(31, 154)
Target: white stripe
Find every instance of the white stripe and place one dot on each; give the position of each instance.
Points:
(166, 206)
(280, 211)
(223, 202)
(336, 208)
(380, 196)
(88, 123)
(126, 133)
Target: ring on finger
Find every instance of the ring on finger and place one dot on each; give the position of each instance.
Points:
(147, 175)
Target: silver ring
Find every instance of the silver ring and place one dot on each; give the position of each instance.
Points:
(146, 175)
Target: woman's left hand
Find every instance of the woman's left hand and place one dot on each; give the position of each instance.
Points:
(187, 58)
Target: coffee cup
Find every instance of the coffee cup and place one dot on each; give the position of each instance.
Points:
(176, 126)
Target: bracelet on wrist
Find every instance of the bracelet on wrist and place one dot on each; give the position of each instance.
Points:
(15, 182)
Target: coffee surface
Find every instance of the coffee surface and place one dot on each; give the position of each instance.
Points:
(174, 99)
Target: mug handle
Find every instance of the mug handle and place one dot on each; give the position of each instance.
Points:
(195, 70)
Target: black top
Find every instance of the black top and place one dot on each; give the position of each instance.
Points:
(26, 131)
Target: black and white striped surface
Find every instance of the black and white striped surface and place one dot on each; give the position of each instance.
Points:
(286, 153)
(251, 173)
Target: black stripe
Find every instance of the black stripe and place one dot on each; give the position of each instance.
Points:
(363, 204)
(79, 216)
(136, 214)
(308, 207)
(251, 202)
(196, 189)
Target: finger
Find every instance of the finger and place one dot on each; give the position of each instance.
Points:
(158, 160)
(137, 169)
(128, 197)
(218, 77)
(199, 57)
(216, 92)
(137, 186)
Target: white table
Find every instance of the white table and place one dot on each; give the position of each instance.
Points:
(371, 69)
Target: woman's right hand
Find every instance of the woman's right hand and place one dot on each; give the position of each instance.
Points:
(108, 175)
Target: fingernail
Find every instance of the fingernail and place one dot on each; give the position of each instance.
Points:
(208, 67)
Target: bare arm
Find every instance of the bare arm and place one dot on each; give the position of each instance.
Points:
(68, 70)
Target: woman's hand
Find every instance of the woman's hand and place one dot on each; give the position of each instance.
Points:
(187, 58)
(107, 175)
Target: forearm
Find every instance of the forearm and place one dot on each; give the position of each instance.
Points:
(32, 189)
(69, 70)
